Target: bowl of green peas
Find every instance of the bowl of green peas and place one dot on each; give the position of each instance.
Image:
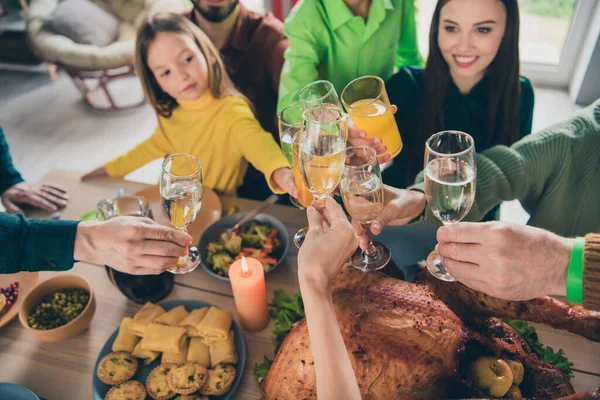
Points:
(58, 309)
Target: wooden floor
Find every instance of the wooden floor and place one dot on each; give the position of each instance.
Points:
(49, 126)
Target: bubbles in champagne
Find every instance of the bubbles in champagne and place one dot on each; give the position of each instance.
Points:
(363, 195)
(181, 201)
(449, 188)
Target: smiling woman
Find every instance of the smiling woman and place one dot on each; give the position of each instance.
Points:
(470, 83)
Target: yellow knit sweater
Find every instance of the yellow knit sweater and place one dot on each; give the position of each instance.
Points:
(222, 133)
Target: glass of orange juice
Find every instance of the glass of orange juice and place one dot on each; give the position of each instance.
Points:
(367, 102)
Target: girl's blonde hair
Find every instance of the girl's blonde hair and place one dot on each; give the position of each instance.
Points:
(219, 83)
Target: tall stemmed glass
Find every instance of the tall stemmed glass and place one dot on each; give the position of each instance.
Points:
(319, 93)
(181, 194)
(290, 125)
(323, 149)
(362, 191)
(449, 183)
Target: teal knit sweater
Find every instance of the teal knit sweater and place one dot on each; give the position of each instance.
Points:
(555, 174)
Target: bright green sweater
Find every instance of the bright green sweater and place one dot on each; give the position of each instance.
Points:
(555, 174)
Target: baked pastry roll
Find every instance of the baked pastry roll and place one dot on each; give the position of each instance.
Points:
(199, 352)
(144, 316)
(163, 338)
(172, 317)
(125, 340)
(147, 355)
(192, 320)
(179, 357)
(215, 325)
(223, 351)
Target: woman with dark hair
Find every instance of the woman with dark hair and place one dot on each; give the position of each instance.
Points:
(470, 83)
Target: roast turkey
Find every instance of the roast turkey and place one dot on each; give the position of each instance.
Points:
(413, 340)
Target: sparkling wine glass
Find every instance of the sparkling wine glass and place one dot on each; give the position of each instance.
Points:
(290, 125)
(323, 149)
(181, 194)
(319, 93)
(449, 183)
(362, 192)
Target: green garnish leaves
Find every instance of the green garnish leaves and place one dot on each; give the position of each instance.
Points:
(285, 311)
(260, 370)
(545, 353)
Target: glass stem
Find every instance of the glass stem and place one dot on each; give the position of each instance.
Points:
(370, 252)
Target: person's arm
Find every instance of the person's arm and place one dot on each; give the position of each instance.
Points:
(256, 145)
(591, 272)
(302, 60)
(507, 261)
(329, 242)
(129, 244)
(156, 146)
(408, 46)
(9, 176)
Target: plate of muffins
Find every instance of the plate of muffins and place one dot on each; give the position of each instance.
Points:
(180, 349)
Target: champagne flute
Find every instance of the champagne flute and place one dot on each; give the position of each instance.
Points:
(290, 125)
(367, 102)
(449, 183)
(362, 192)
(323, 149)
(181, 194)
(319, 93)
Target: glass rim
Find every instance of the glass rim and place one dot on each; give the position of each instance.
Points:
(189, 156)
(381, 91)
(460, 153)
(366, 147)
(282, 121)
(331, 89)
(342, 115)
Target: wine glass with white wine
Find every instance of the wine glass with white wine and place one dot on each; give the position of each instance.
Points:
(181, 194)
(323, 149)
(362, 191)
(449, 183)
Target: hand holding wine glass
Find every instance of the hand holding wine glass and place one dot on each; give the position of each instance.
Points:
(181, 194)
(449, 183)
(362, 191)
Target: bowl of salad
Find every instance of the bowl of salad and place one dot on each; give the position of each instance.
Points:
(264, 238)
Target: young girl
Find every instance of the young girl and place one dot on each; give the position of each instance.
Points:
(199, 111)
(470, 83)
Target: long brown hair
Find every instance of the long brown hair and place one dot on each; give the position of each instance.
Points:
(502, 79)
(219, 83)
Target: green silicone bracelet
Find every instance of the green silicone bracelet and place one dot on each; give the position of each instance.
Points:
(575, 274)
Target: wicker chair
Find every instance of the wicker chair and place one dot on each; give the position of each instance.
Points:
(92, 68)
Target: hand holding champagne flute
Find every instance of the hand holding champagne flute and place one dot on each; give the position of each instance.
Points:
(181, 194)
(362, 191)
(449, 183)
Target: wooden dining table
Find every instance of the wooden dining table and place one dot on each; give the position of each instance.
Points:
(63, 371)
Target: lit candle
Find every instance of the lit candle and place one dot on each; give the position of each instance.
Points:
(247, 278)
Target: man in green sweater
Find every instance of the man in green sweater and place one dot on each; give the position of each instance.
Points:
(555, 174)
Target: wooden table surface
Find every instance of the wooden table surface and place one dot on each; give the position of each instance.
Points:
(63, 371)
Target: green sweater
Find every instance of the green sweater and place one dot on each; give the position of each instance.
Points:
(555, 174)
